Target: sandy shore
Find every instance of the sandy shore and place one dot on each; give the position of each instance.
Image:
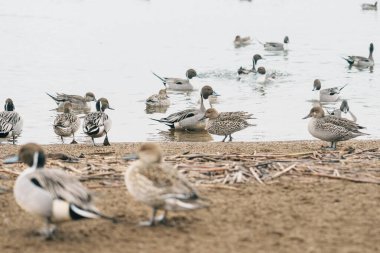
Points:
(285, 215)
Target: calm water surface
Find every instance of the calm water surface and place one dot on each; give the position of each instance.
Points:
(111, 47)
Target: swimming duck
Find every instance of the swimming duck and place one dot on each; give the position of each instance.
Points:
(367, 6)
(360, 61)
(226, 124)
(10, 116)
(276, 46)
(79, 103)
(98, 124)
(263, 76)
(157, 184)
(158, 100)
(327, 95)
(330, 128)
(345, 109)
(50, 194)
(178, 83)
(242, 41)
(244, 71)
(67, 123)
(189, 119)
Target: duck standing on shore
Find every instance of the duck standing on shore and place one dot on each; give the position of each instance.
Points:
(11, 122)
(67, 123)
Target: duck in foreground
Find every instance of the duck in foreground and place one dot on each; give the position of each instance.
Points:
(360, 61)
(158, 100)
(242, 41)
(189, 119)
(226, 123)
(98, 124)
(244, 71)
(344, 108)
(178, 83)
(157, 184)
(327, 95)
(330, 128)
(276, 46)
(79, 103)
(11, 122)
(369, 7)
(50, 194)
(67, 123)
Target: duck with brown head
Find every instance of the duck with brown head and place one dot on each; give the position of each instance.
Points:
(79, 103)
(179, 84)
(242, 41)
(67, 123)
(158, 100)
(10, 117)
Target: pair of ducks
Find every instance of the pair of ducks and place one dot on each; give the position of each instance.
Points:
(11, 123)
(262, 75)
(95, 125)
(56, 196)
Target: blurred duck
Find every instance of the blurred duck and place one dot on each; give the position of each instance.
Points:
(225, 124)
(276, 46)
(330, 128)
(344, 108)
(98, 124)
(79, 103)
(67, 123)
(263, 76)
(327, 95)
(157, 184)
(11, 122)
(178, 83)
(50, 194)
(244, 71)
(360, 61)
(369, 7)
(189, 119)
(242, 41)
(158, 100)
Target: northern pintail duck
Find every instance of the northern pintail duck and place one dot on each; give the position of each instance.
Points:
(367, 6)
(277, 46)
(344, 108)
(98, 124)
(178, 83)
(67, 123)
(327, 95)
(50, 194)
(244, 71)
(189, 119)
(158, 100)
(10, 116)
(225, 124)
(263, 76)
(242, 41)
(79, 103)
(360, 61)
(157, 184)
(330, 128)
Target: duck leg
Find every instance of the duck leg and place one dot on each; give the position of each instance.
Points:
(49, 230)
(150, 222)
(106, 142)
(93, 141)
(333, 145)
(14, 140)
(74, 141)
(63, 142)
(225, 137)
(230, 138)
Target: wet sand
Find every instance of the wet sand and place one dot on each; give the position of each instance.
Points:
(287, 215)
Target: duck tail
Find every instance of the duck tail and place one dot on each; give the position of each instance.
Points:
(54, 98)
(77, 213)
(260, 42)
(169, 124)
(159, 77)
(348, 60)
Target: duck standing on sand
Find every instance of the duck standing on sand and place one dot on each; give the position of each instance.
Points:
(67, 123)
(157, 184)
(330, 128)
(50, 194)
(180, 84)
(9, 117)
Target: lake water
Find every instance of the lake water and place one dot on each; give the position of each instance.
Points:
(111, 47)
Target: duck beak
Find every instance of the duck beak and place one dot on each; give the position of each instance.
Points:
(131, 157)
(308, 116)
(215, 94)
(12, 159)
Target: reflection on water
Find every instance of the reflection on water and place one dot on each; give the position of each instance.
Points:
(183, 136)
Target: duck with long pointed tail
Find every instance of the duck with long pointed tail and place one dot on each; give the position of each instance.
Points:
(327, 95)
(276, 46)
(330, 128)
(79, 103)
(369, 7)
(344, 108)
(97, 124)
(10, 117)
(361, 61)
(180, 84)
(67, 123)
(50, 194)
(159, 185)
(190, 119)
(246, 71)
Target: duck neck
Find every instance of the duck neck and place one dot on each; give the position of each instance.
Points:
(254, 65)
(202, 108)
(370, 55)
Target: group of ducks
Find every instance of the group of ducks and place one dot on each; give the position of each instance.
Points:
(57, 196)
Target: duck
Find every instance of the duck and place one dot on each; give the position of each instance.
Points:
(97, 124)
(159, 185)
(327, 95)
(51, 194)
(263, 76)
(276, 46)
(67, 123)
(158, 100)
(179, 84)
(344, 108)
(79, 103)
(190, 119)
(369, 7)
(360, 61)
(242, 41)
(330, 128)
(244, 71)
(10, 116)
(6, 130)
(226, 124)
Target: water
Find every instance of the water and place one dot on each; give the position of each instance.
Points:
(111, 47)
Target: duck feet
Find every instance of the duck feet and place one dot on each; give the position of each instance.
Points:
(230, 138)
(106, 142)
(74, 142)
(225, 137)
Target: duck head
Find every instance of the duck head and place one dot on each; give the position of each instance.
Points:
(9, 106)
(150, 153)
(371, 48)
(344, 106)
(315, 112)
(286, 40)
(102, 104)
(67, 107)
(31, 154)
(89, 97)
(237, 38)
(210, 113)
(261, 71)
(162, 93)
(190, 73)
(256, 58)
(317, 84)
(208, 91)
